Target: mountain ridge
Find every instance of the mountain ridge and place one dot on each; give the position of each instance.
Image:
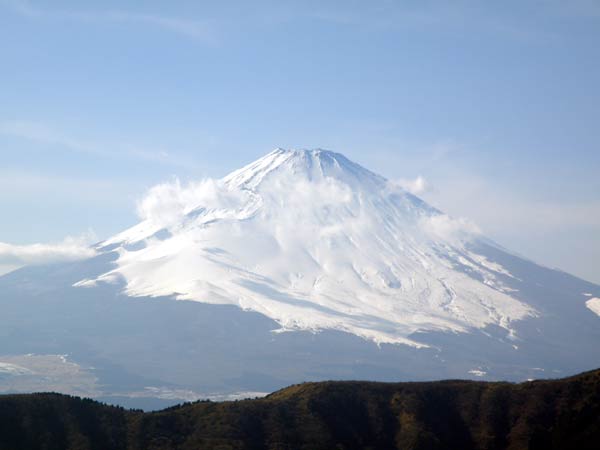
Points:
(450, 414)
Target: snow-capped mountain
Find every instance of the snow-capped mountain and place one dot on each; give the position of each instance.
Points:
(369, 280)
(315, 241)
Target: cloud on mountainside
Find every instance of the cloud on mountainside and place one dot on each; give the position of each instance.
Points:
(415, 186)
(449, 228)
(165, 203)
(69, 249)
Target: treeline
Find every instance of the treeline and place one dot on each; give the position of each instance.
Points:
(554, 414)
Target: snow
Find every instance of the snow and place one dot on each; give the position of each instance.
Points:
(594, 305)
(314, 241)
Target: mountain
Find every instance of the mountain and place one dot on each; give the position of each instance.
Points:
(314, 241)
(468, 415)
(300, 266)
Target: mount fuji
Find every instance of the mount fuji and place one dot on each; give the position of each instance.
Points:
(300, 266)
(314, 241)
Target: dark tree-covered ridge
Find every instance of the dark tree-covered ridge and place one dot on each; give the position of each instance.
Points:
(545, 414)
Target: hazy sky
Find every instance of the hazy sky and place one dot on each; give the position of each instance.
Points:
(496, 105)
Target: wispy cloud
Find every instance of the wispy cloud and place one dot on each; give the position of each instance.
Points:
(449, 228)
(194, 29)
(39, 132)
(44, 134)
(70, 249)
(27, 185)
(437, 16)
(166, 203)
(510, 210)
(415, 186)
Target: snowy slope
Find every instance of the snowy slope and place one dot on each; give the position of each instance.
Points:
(315, 241)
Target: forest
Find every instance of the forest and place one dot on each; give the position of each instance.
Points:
(453, 414)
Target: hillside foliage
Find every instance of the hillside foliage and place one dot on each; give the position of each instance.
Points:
(550, 414)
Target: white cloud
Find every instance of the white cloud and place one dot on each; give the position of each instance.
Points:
(415, 186)
(501, 209)
(70, 249)
(166, 203)
(448, 228)
(555, 231)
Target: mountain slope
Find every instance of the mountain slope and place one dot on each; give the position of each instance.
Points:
(555, 414)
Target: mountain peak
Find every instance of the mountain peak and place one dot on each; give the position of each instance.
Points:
(304, 164)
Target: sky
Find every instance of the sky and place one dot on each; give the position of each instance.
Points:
(487, 110)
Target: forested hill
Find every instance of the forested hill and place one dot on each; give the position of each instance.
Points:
(555, 414)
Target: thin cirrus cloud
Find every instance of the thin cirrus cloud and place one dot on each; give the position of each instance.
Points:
(38, 132)
(44, 134)
(510, 210)
(439, 16)
(189, 28)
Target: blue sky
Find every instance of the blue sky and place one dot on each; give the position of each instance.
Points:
(495, 104)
